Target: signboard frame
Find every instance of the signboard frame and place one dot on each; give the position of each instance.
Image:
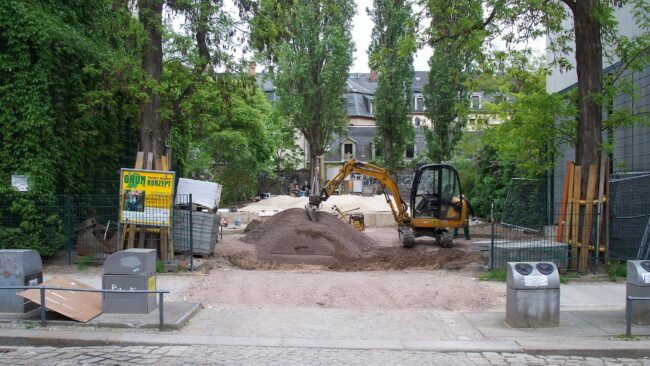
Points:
(134, 208)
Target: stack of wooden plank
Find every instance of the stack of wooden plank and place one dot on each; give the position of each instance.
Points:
(583, 217)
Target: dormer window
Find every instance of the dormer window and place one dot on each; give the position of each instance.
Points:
(410, 152)
(476, 103)
(348, 149)
(419, 104)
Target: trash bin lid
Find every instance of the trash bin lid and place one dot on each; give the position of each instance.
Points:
(19, 262)
(131, 262)
(638, 273)
(532, 275)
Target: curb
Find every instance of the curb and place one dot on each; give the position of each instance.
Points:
(581, 347)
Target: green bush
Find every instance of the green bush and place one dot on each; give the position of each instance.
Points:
(84, 262)
(617, 269)
(494, 275)
(160, 267)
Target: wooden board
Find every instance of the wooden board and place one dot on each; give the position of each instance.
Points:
(139, 160)
(165, 163)
(149, 162)
(599, 212)
(592, 180)
(158, 164)
(575, 216)
(81, 306)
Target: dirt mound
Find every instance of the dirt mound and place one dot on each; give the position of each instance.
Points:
(290, 237)
(401, 258)
(254, 224)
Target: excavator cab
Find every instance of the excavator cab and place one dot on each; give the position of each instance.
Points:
(436, 197)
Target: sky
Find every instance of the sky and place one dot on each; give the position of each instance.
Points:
(363, 29)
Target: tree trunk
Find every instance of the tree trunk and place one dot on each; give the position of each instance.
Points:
(152, 131)
(314, 176)
(589, 68)
(388, 153)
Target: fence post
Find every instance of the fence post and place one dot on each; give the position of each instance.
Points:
(191, 237)
(161, 311)
(597, 244)
(492, 233)
(628, 316)
(68, 229)
(42, 306)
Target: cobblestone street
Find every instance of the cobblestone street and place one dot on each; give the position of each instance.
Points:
(225, 355)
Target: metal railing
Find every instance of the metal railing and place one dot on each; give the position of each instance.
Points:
(628, 312)
(161, 304)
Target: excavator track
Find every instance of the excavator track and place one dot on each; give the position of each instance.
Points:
(406, 237)
(444, 238)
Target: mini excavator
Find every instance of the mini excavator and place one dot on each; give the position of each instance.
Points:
(436, 200)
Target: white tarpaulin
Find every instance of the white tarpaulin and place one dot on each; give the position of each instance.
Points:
(206, 194)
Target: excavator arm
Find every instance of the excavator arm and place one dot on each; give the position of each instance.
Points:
(397, 205)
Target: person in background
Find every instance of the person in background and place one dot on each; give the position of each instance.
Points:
(304, 190)
(470, 208)
(294, 190)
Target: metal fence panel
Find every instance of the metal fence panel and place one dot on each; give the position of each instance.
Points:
(86, 228)
(520, 244)
(629, 216)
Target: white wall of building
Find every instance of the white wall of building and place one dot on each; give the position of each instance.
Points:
(559, 80)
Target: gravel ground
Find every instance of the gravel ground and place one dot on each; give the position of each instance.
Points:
(378, 290)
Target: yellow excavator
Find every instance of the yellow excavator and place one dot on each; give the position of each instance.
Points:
(436, 200)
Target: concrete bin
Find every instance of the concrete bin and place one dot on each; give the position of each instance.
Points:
(18, 267)
(532, 295)
(131, 269)
(638, 285)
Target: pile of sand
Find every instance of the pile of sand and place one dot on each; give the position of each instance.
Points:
(344, 203)
(290, 237)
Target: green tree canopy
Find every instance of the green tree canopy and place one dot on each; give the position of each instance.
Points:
(311, 45)
(450, 65)
(391, 55)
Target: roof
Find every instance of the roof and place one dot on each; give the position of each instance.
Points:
(361, 91)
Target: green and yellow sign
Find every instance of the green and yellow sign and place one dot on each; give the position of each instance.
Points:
(146, 197)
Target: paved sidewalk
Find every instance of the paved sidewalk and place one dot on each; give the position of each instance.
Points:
(592, 322)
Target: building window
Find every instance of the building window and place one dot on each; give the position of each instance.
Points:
(371, 107)
(475, 102)
(348, 151)
(419, 104)
(417, 121)
(410, 152)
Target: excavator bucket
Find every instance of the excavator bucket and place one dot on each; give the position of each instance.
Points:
(312, 212)
(312, 208)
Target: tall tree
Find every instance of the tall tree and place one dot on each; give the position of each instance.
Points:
(153, 130)
(445, 94)
(391, 55)
(311, 45)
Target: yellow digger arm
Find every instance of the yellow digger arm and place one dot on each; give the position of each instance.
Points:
(383, 177)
